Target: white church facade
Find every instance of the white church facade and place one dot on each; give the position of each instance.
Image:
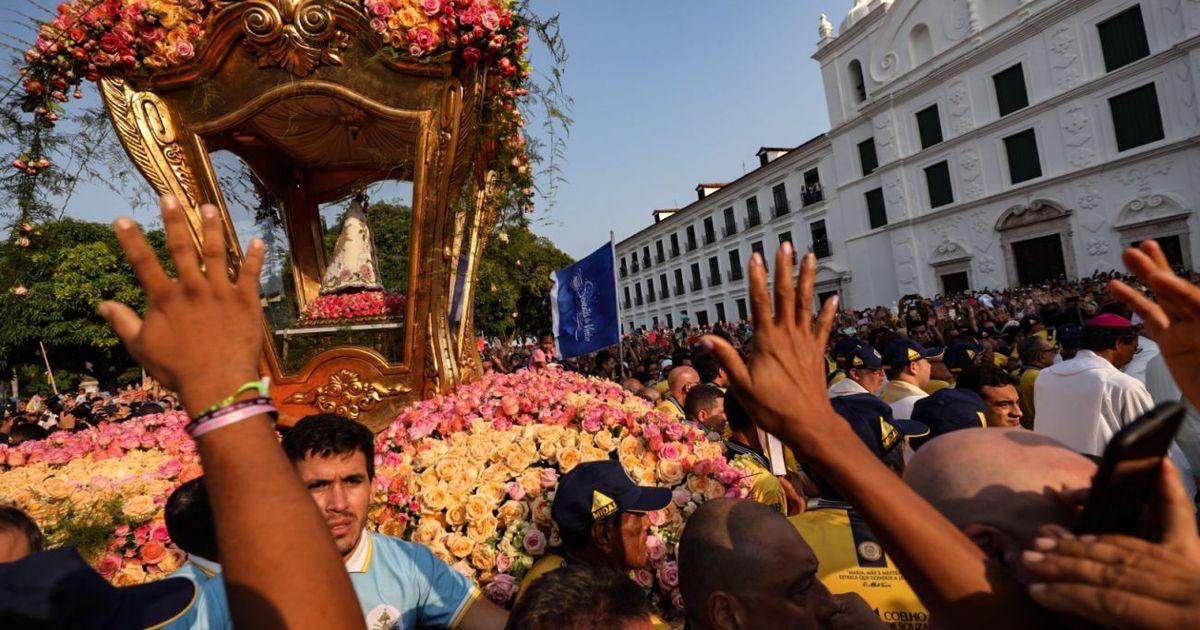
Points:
(973, 144)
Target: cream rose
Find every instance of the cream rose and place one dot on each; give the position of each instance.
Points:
(139, 507)
(456, 516)
(448, 468)
(630, 446)
(483, 558)
(605, 441)
(541, 511)
(57, 487)
(548, 432)
(530, 481)
(131, 574)
(670, 472)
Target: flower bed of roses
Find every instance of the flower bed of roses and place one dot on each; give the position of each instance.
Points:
(357, 305)
(103, 490)
(471, 474)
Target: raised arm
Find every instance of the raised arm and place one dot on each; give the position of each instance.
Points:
(202, 337)
(783, 389)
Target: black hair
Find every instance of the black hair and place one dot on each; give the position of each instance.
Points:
(13, 518)
(326, 434)
(702, 397)
(1117, 308)
(706, 365)
(739, 420)
(581, 597)
(189, 518)
(1100, 338)
(980, 376)
(24, 431)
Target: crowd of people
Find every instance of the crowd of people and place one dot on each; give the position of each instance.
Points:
(912, 466)
(40, 415)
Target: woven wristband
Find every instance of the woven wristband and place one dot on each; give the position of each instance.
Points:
(262, 387)
(225, 419)
(212, 415)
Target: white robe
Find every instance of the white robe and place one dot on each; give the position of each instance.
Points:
(1085, 401)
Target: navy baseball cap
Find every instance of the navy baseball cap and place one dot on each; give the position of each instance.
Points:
(842, 350)
(949, 410)
(865, 357)
(594, 491)
(901, 352)
(961, 356)
(57, 589)
(872, 420)
(1029, 321)
(1068, 336)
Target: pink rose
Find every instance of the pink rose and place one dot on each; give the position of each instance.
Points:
(185, 49)
(500, 588)
(644, 578)
(657, 518)
(534, 542)
(509, 405)
(431, 7)
(20, 291)
(668, 574)
(471, 54)
(681, 496)
(591, 424)
(729, 477)
(671, 451)
(515, 491)
(121, 530)
(381, 9)
(548, 477)
(423, 37)
(503, 562)
(109, 565)
(489, 20)
(651, 431)
(158, 533)
(655, 548)
(14, 459)
(152, 552)
(675, 430)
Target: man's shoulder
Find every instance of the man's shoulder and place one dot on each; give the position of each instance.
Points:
(392, 550)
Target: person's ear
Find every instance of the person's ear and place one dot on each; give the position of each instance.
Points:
(602, 535)
(995, 543)
(725, 611)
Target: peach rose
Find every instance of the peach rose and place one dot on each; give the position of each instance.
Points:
(460, 546)
(568, 458)
(512, 511)
(670, 472)
(57, 487)
(427, 532)
(478, 507)
(530, 481)
(605, 441)
(435, 498)
(541, 511)
(483, 558)
(130, 575)
(152, 552)
(482, 529)
(456, 515)
(173, 559)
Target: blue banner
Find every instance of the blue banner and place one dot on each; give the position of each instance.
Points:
(583, 303)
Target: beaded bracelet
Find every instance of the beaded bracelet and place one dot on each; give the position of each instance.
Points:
(262, 387)
(211, 415)
(227, 418)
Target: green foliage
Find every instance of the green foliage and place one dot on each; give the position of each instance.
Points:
(514, 277)
(68, 269)
(88, 529)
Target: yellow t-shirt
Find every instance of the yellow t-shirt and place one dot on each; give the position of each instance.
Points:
(851, 561)
(663, 387)
(767, 489)
(1028, 377)
(669, 407)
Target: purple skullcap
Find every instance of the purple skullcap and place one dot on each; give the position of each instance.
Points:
(1109, 320)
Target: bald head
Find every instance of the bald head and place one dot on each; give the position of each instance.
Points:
(739, 559)
(680, 380)
(998, 477)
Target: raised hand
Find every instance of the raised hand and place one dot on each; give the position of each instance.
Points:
(788, 361)
(202, 333)
(1172, 319)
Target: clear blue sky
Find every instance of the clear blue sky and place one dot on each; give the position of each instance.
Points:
(666, 95)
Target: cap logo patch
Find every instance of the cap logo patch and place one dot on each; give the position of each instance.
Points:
(887, 434)
(971, 354)
(602, 505)
(858, 361)
(913, 355)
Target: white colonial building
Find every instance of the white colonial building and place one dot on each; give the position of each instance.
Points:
(974, 144)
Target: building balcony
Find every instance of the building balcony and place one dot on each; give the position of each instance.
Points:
(735, 274)
(728, 231)
(777, 212)
(674, 252)
(714, 280)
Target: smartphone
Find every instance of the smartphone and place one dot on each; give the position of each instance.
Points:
(1129, 472)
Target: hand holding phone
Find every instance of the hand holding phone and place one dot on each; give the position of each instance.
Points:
(1129, 471)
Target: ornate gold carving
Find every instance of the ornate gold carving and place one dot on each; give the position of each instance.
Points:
(346, 394)
(296, 35)
(145, 128)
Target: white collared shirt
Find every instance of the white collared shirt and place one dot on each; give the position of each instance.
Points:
(1085, 401)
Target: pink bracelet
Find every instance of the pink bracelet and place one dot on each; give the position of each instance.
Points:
(236, 415)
